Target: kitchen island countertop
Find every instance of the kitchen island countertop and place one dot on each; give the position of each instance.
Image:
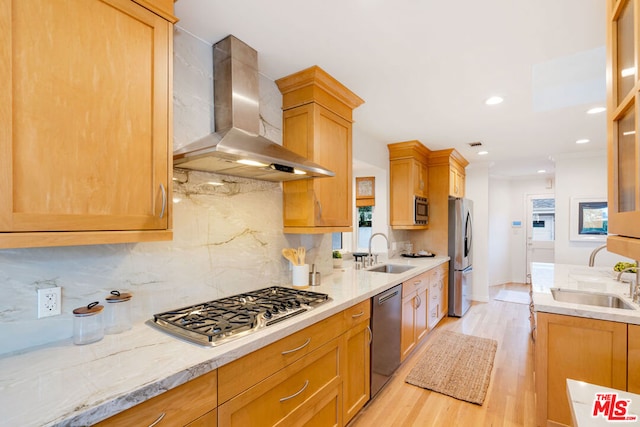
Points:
(582, 397)
(80, 385)
(545, 276)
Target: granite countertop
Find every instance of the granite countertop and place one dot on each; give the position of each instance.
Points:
(545, 276)
(80, 385)
(582, 397)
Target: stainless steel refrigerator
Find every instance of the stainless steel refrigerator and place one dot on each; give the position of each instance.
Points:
(460, 252)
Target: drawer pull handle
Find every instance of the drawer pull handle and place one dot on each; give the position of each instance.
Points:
(157, 420)
(304, 387)
(357, 315)
(306, 343)
(164, 200)
(417, 282)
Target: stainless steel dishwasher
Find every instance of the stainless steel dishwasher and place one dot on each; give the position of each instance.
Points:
(386, 321)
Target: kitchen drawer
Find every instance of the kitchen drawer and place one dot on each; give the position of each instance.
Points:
(272, 400)
(234, 378)
(415, 284)
(357, 314)
(180, 405)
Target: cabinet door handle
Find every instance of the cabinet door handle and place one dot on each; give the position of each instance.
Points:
(306, 343)
(357, 315)
(419, 301)
(164, 200)
(319, 209)
(370, 334)
(304, 387)
(157, 420)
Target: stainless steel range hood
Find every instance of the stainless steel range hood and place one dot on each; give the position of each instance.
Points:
(237, 121)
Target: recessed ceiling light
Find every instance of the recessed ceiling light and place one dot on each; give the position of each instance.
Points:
(482, 153)
(596, 110)
(494, 100)
(542, 170)
(582, 141)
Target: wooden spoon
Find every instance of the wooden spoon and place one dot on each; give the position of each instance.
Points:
(302, 253)
(290, 254)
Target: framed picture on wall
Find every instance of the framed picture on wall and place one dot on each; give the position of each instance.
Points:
(589, 219)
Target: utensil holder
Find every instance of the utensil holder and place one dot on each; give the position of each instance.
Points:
(300, 275)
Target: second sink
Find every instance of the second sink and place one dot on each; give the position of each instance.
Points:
(590, 298)
(390, 268)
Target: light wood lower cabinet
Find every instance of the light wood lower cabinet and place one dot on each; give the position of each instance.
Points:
(357, 361)
(191, 404)
(290, 392)
(317, 376)
(438, 282)
(594, 351)
(633, 359)
(415, 308)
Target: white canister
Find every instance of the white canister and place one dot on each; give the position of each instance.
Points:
(300, 275)
(88, 324)
(118, 313)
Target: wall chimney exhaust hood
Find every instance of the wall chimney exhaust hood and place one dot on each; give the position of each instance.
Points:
(236, 148)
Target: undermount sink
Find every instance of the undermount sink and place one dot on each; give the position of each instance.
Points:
(390, 268)
(590, 298)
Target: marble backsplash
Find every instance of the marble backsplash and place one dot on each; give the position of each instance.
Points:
(227, 238)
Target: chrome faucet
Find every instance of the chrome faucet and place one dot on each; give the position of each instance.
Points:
(626, 270)
(634, 292)
(592, 257)
(370, 256)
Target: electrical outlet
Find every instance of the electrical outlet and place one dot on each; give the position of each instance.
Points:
(49, 301)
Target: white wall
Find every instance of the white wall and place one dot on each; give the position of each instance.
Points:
(579, 177)
(500, 269)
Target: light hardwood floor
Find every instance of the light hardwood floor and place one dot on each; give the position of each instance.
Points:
(510, 398)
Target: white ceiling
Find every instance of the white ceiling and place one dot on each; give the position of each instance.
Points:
(425, 67)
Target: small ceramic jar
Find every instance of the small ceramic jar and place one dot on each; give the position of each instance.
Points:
(88, 324)
(118, 313)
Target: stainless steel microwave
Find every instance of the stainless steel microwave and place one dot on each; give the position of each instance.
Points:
(420, 210)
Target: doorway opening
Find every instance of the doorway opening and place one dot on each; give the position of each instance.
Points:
(541, 230)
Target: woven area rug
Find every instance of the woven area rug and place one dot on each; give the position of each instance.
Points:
(519, 297)
(457, 365)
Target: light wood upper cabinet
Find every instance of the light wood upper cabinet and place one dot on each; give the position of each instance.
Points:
(317, 124)
(450, 166)
(408, 177)
(623, 89)
(594, 351)
(85, 122)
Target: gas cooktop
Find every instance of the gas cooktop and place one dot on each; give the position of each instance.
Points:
(218, 321)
